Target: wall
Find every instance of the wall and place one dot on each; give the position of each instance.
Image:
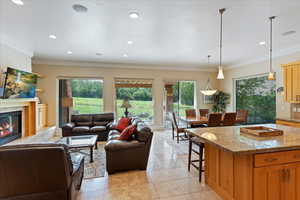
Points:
(52, 72)
(11, 57)
(282, 108)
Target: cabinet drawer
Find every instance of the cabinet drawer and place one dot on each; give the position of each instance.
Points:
(266, 159)
(261, 160)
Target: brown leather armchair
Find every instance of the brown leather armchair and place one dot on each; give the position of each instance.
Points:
(39, 172)
(128, 155)
(89, 124)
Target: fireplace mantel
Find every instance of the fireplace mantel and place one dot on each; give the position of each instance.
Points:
(29, 108)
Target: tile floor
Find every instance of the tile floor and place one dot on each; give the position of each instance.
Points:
(166, 178)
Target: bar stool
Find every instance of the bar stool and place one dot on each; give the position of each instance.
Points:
(197, 142)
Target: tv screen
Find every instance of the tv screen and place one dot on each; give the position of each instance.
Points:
(19, 84)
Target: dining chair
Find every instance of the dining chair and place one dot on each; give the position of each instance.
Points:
(214, 119)
(190, 113)
(180, 132)
(200, 152)
(229, 119)
(242, 116)
(203, 112)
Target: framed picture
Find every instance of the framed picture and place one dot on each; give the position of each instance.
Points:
(208, 99)
(2, 80)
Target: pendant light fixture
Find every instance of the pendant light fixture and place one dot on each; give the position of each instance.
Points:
(220, 73)
(208, 91)
(271, 75)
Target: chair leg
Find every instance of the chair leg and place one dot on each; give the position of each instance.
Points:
(200, 162)
(173, 132)
(177, 137)
(190, 155)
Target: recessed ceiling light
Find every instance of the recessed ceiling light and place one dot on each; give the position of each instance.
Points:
(125, 55)
(52, 36)
(80, 8)
(18, 2)
(134, 15)
(99, 54)
(288, 33)
(69, 52)
(262, 43)
(130, 42)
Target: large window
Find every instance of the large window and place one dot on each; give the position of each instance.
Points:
(258, 96)
(79, 96)
(139, 94)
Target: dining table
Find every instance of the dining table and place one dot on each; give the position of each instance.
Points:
(193, 121)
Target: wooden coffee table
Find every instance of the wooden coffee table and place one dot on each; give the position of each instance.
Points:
(76, 143)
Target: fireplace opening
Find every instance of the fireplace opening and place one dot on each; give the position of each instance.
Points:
(10, 126)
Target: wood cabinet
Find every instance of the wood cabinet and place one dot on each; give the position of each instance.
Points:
(41, 116)
(291, 76)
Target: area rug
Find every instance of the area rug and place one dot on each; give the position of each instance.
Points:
(97, 168)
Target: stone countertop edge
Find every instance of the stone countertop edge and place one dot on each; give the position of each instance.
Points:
(288, 119)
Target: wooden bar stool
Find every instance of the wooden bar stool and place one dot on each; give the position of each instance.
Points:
(197, 142)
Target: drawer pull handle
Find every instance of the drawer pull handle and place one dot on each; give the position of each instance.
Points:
(297, 156)
(270, 159)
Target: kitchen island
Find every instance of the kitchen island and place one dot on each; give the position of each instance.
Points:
(245, 167)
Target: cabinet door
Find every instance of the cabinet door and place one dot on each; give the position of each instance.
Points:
(296, 83)
(288, 83)
(281, 182)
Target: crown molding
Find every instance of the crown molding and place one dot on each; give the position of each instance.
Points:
(6, 42)
(120, 65)
(280, 53)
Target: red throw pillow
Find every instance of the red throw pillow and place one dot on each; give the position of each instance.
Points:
(127, 132)
(123, 123)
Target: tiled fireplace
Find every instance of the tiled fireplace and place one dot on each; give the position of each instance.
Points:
(10, 126)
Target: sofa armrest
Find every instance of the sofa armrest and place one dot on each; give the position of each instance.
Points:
(68, 126)
(121, 145)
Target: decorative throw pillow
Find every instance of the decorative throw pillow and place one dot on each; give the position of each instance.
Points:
(123, 123)
(127, 132)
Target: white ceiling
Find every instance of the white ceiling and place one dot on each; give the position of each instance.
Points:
(178, 33)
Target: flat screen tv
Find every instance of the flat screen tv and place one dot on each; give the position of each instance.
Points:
(19, 84)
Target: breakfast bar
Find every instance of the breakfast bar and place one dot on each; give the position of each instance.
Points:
(239, 166)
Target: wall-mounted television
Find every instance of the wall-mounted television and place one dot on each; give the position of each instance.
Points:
(19, 84)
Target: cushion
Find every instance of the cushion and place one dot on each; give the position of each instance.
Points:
(113, 137)
(143, 132)
(81, 129)
(127, 132)
(98, 129)
(102, 119)
(114, 132)
(123, 123)
(82, 120)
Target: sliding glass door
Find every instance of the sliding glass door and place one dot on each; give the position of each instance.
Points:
(79, 96)
(258, 96)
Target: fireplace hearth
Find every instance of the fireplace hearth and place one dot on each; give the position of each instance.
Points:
(10, 126)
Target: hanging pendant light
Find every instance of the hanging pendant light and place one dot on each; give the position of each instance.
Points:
(208, 91)
(271, 75)
(220, 73)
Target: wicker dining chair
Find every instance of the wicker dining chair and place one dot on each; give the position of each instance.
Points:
(229, 119)
(203, 112)
(190, 113)
(214, 119)
(180, 132)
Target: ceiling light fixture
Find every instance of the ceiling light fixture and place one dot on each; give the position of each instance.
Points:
(79, 8)
(70, 52)
(134, 15)
(52, 36)
(262, 43)
(125, 55)
(130, 42)
(18, 2)
(288, 33)
(208, 91)
(99, 54)
(220, 73)
(271, 75)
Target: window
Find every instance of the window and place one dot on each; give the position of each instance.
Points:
(258, 96)
(79, 96)
(139, 94)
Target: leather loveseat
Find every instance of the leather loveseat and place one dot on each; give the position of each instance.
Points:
(128, 155)
(89, 124)
(39, 172)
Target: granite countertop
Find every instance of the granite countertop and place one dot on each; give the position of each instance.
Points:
(230, 139)
(288, 119)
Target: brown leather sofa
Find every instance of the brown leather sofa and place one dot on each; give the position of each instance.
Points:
(39, 172)
(128, 155)
(89, 124)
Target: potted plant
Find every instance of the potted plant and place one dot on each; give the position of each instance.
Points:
(220, 101)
